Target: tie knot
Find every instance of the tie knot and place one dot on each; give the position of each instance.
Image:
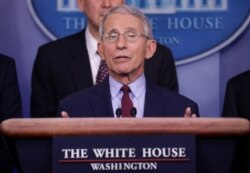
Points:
(125, 89)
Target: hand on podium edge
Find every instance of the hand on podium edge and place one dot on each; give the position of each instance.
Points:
(64, 114)
(188, 113)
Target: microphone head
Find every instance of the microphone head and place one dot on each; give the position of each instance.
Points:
(133, 111)
(118, 112)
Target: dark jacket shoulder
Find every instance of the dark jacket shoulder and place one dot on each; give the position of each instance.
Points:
(66, 41)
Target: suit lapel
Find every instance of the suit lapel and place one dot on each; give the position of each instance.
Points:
(79, 65)
(102, 99)
(153, 104)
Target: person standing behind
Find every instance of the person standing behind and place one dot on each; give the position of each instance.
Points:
(70, 64)
(237, 104)
(237, 96)
(125, 42)
(10, 107)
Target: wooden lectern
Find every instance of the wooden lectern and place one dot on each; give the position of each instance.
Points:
(215, 137)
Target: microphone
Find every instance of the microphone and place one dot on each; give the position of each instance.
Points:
(133, 111)
(118, 112)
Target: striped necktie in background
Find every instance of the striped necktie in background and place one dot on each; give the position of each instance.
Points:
(102, 72)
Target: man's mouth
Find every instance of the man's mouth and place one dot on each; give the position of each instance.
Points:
(122, 58)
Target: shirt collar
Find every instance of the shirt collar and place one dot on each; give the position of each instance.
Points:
(91, 43)
(137, 87)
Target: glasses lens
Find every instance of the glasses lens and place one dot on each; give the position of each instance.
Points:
(112, 36)
(131, 36)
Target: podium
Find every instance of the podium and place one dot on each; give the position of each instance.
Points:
(215, 137)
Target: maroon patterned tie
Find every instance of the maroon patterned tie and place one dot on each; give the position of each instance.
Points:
(102, 72)
(127, 104)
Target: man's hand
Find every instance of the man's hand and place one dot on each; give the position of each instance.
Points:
(188, 113)
(64, 114)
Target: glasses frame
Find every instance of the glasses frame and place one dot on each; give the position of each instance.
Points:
(108, 36)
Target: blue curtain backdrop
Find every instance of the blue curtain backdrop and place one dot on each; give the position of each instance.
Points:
(203, 80)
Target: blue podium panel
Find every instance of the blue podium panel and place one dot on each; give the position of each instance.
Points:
(124, 153)
(213, 154)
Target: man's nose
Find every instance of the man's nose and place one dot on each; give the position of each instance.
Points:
(107, 3)
(121, 42)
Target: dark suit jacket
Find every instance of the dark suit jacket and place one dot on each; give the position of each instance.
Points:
(10, 99)
(96, 102)
(62, 67)
(10, 107)
(237, 96)
(237, 104)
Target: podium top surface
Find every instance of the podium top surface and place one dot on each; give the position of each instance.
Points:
(48, 127)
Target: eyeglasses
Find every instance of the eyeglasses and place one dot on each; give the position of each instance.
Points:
(129, 36)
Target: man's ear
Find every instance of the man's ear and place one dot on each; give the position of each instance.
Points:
(100, 50)
(80, 4)
(151, 48)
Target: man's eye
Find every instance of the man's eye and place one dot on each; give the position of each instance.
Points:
(131, 35)
(112, 36)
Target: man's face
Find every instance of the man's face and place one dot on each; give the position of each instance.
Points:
(125, 57)
(96, 9)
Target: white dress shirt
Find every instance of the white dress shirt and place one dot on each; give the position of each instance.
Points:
(94, 58)
(137, 94)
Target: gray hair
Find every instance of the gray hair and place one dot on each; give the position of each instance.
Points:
(125, 9)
